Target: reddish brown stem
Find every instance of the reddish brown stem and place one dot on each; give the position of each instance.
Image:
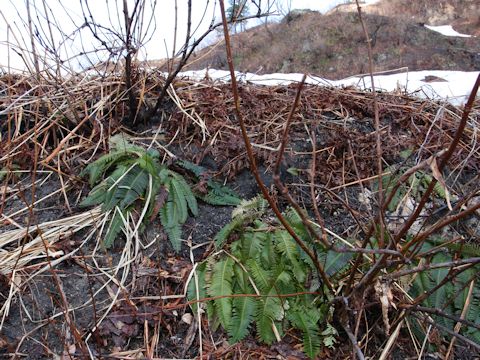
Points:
(381, 241)
(443, 162)
(252, 161)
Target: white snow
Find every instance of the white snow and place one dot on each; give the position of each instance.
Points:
(446, 30)
(452, 86)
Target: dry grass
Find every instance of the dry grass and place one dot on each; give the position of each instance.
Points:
(54, 127)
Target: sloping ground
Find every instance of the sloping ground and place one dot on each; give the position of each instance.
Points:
(333, 46)
(128, 302)
(462, 14)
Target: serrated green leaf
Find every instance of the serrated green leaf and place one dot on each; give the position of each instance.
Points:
(187, 193)
(115, 226)
(290, 250)
(178, 200)
(96, 196)
(136, 184)
(244, 309)
(251, 244)
(96, 169)
(197, 170)
(221, 286)
(335, 261)
(303, 321)
(225, 232)
(192, 288)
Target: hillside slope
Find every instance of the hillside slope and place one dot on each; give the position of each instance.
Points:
(464, 15)
(333, 45)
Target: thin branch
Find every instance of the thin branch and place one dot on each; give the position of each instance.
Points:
(251, 158)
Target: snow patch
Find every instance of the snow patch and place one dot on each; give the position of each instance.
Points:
(446, 30)
(452, 86)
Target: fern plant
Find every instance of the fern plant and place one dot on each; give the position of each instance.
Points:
(213, 193)
(452, 297)
(417, 183)
(127, 177)
(263, 265)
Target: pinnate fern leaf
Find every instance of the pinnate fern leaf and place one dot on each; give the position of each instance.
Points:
(244, 309)
(251, 244)
(335, 262)
(138, 175)
(192, 286)
(136, 185)
(270, 308)
(184, 190)
(96, 169)
(114, 227)
(225, 232)
(288, 248)
(197, 170)
(171, 225)
(129, 188)
(306, 321)
(221, 286)
(220, 195)
(178, 201)
(96, 196)
(217, 194)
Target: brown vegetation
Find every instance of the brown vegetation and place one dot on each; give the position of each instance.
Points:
(333, 45)
(379, 191)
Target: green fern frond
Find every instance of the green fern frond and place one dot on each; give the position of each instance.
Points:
(269, 312)
(295, 221)
(186, 192)
(261, 276)
(96, 196)
(270, 307)
(177, 199)
(220, 200)
(306, 322)
(290, 250)
(334, 262)
(197, 170)
(129, 188)
(96, 169)
(171, 225)
(114, 227)
(192, 288)
(439, 297)
(269, 257)
(217, 193)
(174, 234)
(220, 195)
(244, 309)
(136, 184)
(264, 319)
(242, 280)
(138, 175)
(273, 262)
(221, 285)
(251, 244)
(246, 208)
(122, 142)
(150, 164)
(111, 187)
(225, 231)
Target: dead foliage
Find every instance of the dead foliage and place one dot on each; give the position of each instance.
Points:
(130, 302)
